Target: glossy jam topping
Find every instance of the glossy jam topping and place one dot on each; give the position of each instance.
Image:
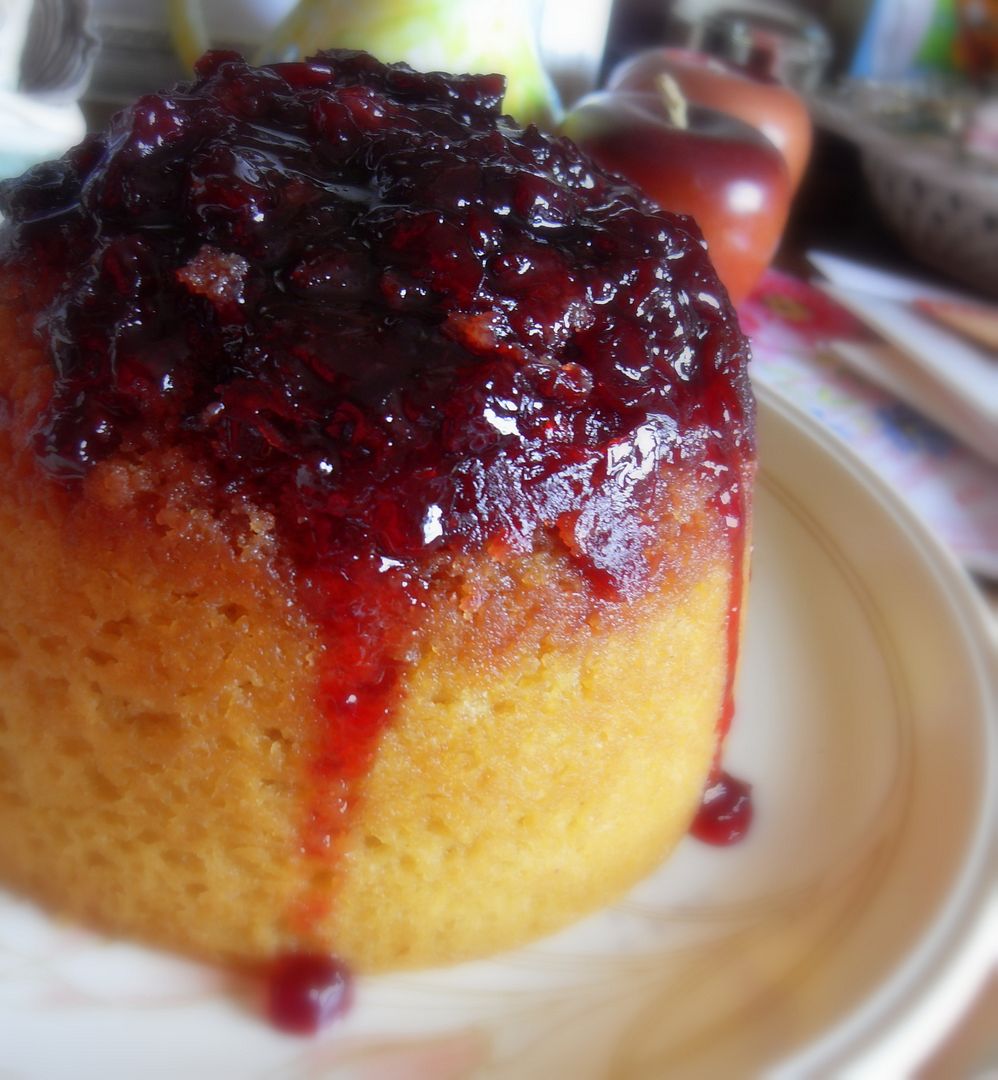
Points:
(365, 301)
(382, 311)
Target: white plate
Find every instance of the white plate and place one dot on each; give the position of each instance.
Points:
(848, 930)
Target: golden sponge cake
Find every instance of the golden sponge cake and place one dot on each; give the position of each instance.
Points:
(375, 486)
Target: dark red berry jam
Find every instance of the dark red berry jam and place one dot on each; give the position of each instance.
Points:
(305, 992)
(725, 814)
(365, 301)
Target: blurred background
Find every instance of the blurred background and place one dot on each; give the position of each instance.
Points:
(853, 215)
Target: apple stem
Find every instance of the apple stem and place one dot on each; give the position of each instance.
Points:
(673, 100)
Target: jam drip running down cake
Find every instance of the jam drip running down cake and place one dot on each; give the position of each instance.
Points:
(375, 491)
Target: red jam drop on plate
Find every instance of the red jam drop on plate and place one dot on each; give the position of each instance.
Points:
(725, 814)
(305, 992)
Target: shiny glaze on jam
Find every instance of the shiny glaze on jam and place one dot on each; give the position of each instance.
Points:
(367, 302)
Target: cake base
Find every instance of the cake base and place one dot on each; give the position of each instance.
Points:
(158, 719)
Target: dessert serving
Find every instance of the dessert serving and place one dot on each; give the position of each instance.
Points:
(375, 485)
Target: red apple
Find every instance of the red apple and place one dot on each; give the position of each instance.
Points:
(718, 170)
(776, 110)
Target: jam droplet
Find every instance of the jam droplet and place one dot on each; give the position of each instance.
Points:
(305, 992)
(725, 814)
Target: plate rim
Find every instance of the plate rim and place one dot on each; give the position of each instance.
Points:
(915, 1005)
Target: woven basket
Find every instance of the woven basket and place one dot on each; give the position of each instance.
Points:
(944, 210)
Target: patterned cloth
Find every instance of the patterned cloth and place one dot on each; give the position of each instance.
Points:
(955, 492)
